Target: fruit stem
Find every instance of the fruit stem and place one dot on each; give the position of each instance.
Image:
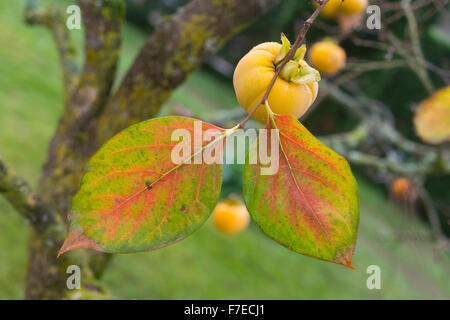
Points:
(289, 57)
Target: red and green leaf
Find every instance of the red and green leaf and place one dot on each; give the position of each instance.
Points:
(310, 205)
(134, 198)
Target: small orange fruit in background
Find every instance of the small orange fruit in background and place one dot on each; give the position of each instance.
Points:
(404, 189)
(231, 216)
(294, 90)
(327, 57)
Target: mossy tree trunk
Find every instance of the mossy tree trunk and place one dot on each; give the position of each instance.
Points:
(93, 113)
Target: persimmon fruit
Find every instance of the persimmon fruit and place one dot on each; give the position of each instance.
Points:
(327, 57)
(348, 7)
(231, 216)
(295, 88)
(404, 189)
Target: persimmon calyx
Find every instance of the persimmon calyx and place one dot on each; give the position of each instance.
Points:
(295, 70)
(285, 48)
(299, 72)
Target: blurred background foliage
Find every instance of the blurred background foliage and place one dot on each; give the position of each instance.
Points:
(248, 265)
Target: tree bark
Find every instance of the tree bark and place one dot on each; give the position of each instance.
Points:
(91, 117)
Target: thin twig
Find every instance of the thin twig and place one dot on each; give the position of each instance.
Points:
(375, 65)
(415, 41)
(369, 43)
(400, 14)
(433, 216)
(412, 61)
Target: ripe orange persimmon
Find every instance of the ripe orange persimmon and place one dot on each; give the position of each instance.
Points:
(327, 57)
(404, 189)
(294, 90)
(231, 216)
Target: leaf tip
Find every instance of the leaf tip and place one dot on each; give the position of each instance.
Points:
(77, 240)
(344, 257)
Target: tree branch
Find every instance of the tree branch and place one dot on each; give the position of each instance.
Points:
(55, 20)
(103, 21)
(19, 194)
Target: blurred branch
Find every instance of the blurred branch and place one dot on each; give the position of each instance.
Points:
(368, 43)
(443, 73)
(415, 41)
(416, 60)
(55, 20)
(342, 142)
(438, 5)
(432, 214)
(387, 165)
(339, 81)
(412, 61)
(19, 194)
(376, 65)
(399, 6)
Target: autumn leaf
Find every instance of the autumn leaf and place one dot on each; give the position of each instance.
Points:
(432, 119)
(310, 205)
(133, 197)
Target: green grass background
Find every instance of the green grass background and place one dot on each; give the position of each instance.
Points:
(208, 264)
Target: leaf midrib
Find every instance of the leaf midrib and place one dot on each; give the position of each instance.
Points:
(312, 212)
